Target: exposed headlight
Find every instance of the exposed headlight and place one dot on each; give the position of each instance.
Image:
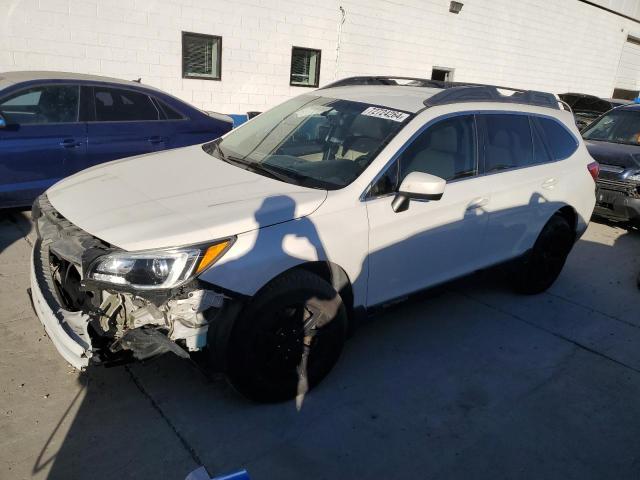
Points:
(634, 178)
(158, 269)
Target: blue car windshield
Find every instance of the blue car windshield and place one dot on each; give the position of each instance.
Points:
(617, 126)
(312, 141)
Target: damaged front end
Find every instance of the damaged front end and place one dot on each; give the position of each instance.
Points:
(89, 319)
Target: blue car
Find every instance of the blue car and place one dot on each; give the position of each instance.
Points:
(54, 124)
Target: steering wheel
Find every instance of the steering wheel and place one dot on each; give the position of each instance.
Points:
(362, 161)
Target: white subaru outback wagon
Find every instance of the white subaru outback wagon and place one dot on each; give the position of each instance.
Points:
(262, 247)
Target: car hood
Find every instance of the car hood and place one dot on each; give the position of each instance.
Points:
(177, 197)
(608, 153)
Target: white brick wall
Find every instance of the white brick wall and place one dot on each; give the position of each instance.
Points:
(557, 46)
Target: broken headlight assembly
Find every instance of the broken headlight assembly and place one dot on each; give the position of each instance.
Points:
(156, 269)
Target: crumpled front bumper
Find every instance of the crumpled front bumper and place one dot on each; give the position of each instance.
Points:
(67, 330)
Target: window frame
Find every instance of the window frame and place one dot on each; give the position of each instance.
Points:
(366, 195)
(482, 143)
(79, 112)
(530, 115)
(535, 129)
(219, 56)
(316, 82)
(93, 114)
(159, 105)
(546, 140)
(448, 71)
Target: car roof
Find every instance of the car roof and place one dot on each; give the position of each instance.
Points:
(8, 79)
(407, 98)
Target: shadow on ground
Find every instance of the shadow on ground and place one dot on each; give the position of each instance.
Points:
(14, 225)
(467, 381)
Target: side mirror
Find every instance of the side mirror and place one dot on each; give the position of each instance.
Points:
(418, 186)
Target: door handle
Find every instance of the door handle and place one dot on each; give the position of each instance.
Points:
(477, 203)
(549, 183)
(70, 143)
(156, 139)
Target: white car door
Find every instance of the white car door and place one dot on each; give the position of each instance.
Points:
(432, 241)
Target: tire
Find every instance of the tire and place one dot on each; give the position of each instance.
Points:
(540, 267)
(267, 342)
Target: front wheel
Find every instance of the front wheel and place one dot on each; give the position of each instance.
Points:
(541, 266)
(287, 339)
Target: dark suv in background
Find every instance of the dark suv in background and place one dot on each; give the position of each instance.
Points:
(614, 141)
(53, 124)
(586, 108)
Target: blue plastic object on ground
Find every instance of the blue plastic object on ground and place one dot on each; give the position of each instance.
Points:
(241, 475)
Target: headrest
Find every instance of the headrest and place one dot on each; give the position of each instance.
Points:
(501, 139)
(366, 126)
(445, 140)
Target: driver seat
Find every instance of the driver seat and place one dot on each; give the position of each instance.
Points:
(365, 137)
(439, 157)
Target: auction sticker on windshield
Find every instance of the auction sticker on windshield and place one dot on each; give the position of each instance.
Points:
(394, 115)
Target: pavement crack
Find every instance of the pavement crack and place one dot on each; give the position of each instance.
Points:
(587, 307)
(187, 446)
(551, 332)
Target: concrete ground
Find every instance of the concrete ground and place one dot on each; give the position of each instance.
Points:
(469, 381)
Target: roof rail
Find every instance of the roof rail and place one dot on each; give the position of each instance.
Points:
(402, 81)
(486, 93)
(390, 80)
(458, 92)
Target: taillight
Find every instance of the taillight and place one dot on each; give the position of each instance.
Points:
(594, 170)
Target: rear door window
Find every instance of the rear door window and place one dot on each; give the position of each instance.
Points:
(507, 141)
(118, 105)
(44, 104)
(560, 142)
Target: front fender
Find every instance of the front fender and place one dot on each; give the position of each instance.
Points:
(258, 256)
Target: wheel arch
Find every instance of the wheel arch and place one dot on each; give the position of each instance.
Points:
(330, 272)
(570, 214)
(333, 274)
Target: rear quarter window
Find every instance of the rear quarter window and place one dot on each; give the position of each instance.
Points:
(560, 142)
(169, 112)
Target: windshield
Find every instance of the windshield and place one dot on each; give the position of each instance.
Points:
(617, 126)
(312, 141)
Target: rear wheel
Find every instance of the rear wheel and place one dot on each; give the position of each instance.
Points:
(287, 339)
(541, 266)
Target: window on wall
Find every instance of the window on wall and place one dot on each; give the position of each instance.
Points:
(305, 67)
(201, 56)
(443, 74)
(625, 94)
